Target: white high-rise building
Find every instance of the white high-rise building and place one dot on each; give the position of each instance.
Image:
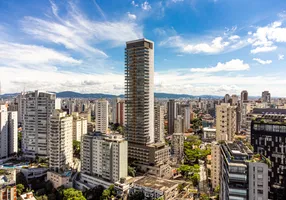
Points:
(225, 122)
(101, 116)
(60, 140)
(8, 132)
(38, 108)
(104, 156)
(21, 100)
(159, 123)
(139, 91)
(79, 126)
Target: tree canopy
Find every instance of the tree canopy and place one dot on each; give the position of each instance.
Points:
(72, 194)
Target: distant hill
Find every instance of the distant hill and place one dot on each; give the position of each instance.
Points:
(70, 94)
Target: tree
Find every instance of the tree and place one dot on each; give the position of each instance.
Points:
(107, 193)
(120, 129)
(72, 194)
(131, 171)
(21, 179)
(94, 193)
(180, 187)
(216, 190)
(76, 147)
(204, 196)
(138, 195)
(44, 197)
(195, 178)
(20, 188)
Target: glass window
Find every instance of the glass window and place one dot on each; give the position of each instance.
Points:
(276, 128)
(269, 128)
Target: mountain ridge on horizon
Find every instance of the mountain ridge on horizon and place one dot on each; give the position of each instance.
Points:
(71, 94)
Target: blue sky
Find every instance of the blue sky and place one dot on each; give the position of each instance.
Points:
(201, 46)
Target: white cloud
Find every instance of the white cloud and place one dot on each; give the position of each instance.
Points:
(263, 49)
(280, 57)
(78, 33)
(217, 45)
(263, 62)
(233, 65)
(19, 54)
(146, 6)
(134, 4)
(264, 38)
(131, 16)
(175, 1)
(234, 37)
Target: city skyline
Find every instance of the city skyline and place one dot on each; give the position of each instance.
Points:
(78, 46)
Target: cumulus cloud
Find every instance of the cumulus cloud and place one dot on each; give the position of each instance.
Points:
(280, 57)
(233, 65)
(146, 6)
(264, 39)
(263, 62)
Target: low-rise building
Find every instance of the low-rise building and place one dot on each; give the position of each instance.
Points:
(60, 179)
(154, 188)
(209, 134)
(8, 185)
(27, 196)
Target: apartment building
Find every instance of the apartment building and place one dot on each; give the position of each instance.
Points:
(268, 137)
(104, 156)
(225, 122)
(177, 146)
(243, 174)
(60, 141)
(38, 108)
(159, 123)
(8, 132)
(79, 126)
(101, 118)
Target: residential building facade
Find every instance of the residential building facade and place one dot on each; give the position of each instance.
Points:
(101, 118)
(60, 141)
(38, 108)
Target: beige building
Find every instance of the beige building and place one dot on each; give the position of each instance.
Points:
(101, 117)
(225, 122)
(59, 179)
(79, 126)
(60, 140)
(159, 123)
(104, 156)
(215, 165)
(154, 188)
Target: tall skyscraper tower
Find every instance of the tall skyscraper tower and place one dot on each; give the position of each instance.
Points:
(139, 106)
(139, 91)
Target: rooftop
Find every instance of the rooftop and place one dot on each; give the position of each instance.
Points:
(7, 177)
(156, 183)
